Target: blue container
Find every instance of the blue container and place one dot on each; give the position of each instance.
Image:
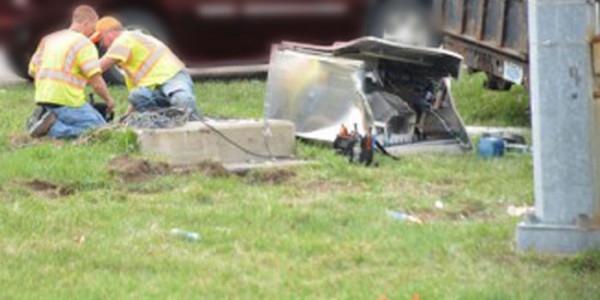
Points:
(491, 147)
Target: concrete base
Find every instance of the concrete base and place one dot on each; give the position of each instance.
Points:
(430, 147)
(241, 168)
(556, 239)
(479, 130)
(250, 71)
(195, 142)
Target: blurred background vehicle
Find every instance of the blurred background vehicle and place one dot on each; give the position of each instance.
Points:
(209, 33)
(491, 35)
(217, 34)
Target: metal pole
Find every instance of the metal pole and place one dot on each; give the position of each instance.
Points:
(565, 123)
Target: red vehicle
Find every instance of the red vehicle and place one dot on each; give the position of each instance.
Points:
(210, 33)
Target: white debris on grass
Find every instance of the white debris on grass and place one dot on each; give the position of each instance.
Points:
(519, 211)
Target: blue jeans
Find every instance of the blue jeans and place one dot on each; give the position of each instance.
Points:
(177, 92)
(73, 121)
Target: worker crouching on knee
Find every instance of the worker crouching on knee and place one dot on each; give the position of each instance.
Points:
(63, 64)
(155, 77)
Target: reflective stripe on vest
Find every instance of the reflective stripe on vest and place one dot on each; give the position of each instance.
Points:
(88, 66)
(39, 56)
(142, 39)
(148, 65)
(121, 50)
(61, 76)
(155, 54)
(72, 54)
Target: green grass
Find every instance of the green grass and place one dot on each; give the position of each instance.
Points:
(321, 234)
(491, 108)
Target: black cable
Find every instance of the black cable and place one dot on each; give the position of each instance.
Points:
(227, 139)
(384, 151)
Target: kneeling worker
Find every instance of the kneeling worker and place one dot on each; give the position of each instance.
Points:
(64, 63)
(155, 77)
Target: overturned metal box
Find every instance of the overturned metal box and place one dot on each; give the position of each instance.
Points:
(399, 93)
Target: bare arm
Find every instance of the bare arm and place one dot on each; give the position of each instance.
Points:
(34, 64)
(100, 88)
(107, 63)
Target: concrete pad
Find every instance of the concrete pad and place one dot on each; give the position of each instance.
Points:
(241, 168)
(428, 147)
(479, 130)
(556, 238)
(196, 142)
(230, 72)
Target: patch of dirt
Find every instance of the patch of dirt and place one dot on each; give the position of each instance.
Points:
(272, 177)
(471, 211)
(137, 170)
(209, 168)
(586, 263)
(428, 216)
(146, 189)
(48, 189)
(437, 190)
(462, 213)
(19, 141)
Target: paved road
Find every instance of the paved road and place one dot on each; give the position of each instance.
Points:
(7, 77)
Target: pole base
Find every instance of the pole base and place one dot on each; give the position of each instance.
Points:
(556, 238)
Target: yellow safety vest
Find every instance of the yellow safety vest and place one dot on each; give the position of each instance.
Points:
(146, 60)
(61, 67)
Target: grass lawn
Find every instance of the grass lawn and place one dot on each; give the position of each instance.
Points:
(321, 232)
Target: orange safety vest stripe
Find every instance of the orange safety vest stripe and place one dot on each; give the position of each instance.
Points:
(148, 65)
(64, 75)
(145, 42)
(89, 65)
(61, 76)
(72, 53)
(154, 56)
(121, 50)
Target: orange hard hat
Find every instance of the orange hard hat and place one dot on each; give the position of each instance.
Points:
(105, 24)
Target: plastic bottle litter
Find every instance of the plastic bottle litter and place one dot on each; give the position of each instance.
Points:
(405, 217)
(190, 236)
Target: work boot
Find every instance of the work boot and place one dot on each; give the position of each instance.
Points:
(43, 124)
(35, 116)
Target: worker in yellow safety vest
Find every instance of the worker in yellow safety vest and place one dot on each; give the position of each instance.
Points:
(155, 77)
(64, 63)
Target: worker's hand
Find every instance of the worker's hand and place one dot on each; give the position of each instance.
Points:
(110, 105)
